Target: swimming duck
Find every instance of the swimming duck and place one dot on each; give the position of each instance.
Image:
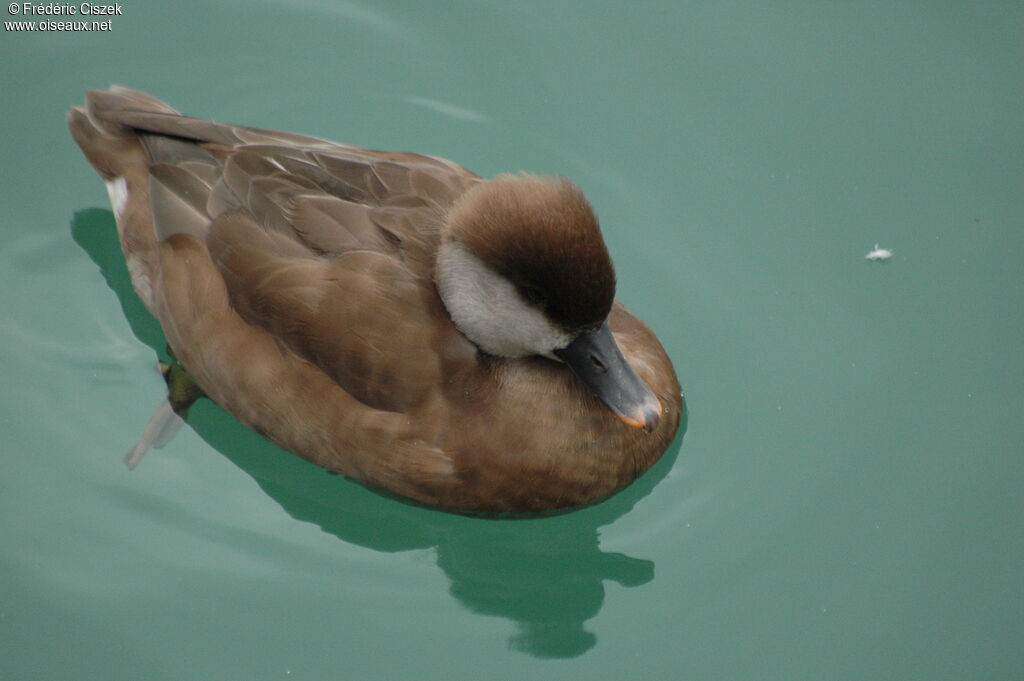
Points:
(389, 316)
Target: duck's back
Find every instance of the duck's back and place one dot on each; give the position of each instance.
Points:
(326, 246)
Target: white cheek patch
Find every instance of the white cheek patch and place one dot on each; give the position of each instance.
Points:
(488, 309)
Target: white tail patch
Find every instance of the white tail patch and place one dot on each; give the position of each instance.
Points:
(117, 189)
(140, 279)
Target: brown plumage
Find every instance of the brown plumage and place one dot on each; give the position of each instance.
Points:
(294, 278)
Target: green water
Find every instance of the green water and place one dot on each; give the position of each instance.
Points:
(846, 501)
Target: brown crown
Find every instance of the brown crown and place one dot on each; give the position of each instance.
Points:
(542, 235)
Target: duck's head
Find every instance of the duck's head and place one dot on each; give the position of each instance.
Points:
(523, 270)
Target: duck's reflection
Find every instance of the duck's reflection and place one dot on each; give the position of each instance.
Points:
(545, 574)
(548, 580)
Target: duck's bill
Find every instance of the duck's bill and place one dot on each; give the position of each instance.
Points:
(596, 359)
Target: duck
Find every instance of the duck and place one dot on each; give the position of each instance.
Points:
(390, 316)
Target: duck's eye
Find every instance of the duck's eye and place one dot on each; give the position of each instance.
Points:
(534, 295)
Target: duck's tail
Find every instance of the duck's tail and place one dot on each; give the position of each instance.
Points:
(101, 131)
(120, 152)
(116, 151)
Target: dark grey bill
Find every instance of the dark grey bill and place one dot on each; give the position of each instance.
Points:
(596, 359)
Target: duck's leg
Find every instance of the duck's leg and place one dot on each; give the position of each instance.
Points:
(182, 389)
(182, 393)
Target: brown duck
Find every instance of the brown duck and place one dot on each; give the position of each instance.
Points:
(389, 316)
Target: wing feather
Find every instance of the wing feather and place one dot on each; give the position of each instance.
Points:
(326, 246)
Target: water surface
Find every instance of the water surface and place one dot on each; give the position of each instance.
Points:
(846, 501)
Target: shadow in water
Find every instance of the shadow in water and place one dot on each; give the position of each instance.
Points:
(544, 574)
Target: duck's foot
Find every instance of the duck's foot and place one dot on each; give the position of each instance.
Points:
(182, 389)
(182, 393)
(162, 426)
